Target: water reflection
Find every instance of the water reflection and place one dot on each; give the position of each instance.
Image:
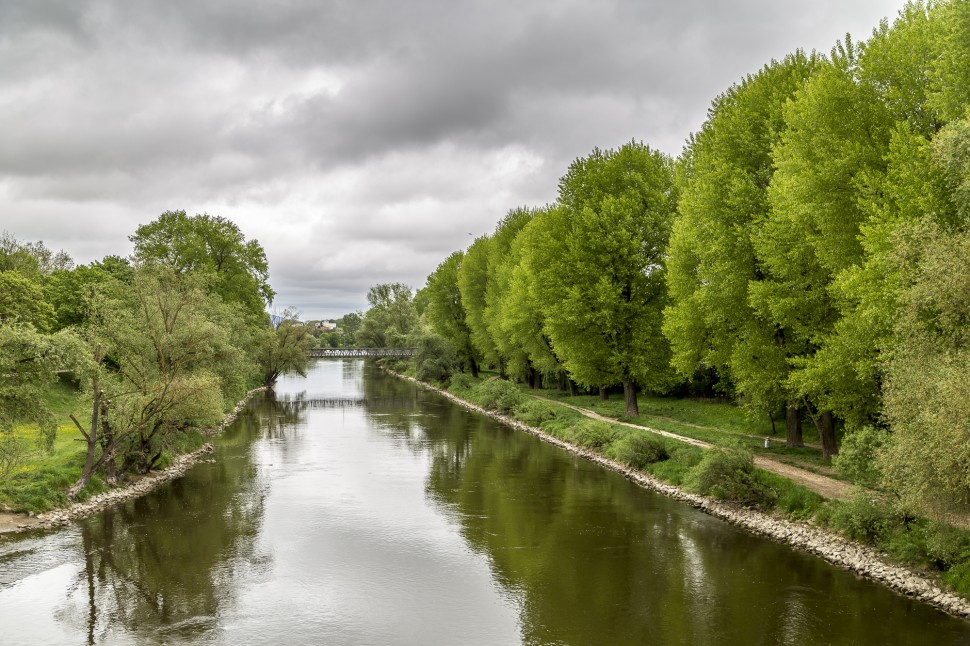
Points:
(598, 560)
(164, 567)
(353, 508)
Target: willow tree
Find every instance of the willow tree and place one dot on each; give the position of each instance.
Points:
(723, 178)
(601, 286)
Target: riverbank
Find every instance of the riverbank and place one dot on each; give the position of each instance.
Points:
(139, 486)
(863, 560)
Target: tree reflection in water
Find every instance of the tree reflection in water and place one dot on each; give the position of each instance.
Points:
(164, 565)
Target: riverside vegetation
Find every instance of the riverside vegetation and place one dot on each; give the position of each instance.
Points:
(110, 370)
(805, 261)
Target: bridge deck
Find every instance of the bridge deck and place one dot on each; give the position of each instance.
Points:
(360, 353)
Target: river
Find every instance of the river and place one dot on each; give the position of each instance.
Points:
(354, 508)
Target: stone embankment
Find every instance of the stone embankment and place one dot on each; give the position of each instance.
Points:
(835, 549)
(136, 488)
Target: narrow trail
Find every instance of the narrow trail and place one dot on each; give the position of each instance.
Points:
(823, 485)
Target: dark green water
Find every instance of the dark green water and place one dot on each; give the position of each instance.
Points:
(391, 516)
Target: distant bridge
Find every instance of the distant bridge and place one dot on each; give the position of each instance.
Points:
(360, 353)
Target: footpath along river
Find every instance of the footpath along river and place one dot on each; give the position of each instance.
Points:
(355, 508)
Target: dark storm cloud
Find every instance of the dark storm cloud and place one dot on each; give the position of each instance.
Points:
(359, 141)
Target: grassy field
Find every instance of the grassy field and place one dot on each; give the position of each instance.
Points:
(40, 482)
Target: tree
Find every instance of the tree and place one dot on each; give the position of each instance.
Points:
(472, 283)
(602, 289)
(284, 349)
(150, 371)
(32, 259)
(29, 361)
(711, 264)
(69, 292)
(445, 312)
(391, 316)
(21, 299)
(928, 377)
(500, 267)
(209, 245)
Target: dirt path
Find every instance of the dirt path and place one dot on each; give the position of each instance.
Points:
(823, 485)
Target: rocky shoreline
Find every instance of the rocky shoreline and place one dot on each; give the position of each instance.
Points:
(141, 486)
(863, 560)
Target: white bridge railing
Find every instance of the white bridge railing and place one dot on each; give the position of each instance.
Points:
(360, 353)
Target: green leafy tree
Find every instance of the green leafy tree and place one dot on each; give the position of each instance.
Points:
(391, 317)
(711, 264)
(150, 371)
(208, 245)
(284, 349)
(22, 299)
(472, 283)
(602, 288)
(445, 313)
(501, 266)
(928, 376)
(29, 361)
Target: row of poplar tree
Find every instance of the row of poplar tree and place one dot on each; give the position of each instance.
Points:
(160, 343)
(809, 251)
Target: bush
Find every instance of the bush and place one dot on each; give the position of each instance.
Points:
(638, 449)
(499, 395)
(590, 434)
(857, 455)
(534, 412)
(861, 518)
(729, 474)
(435, 359)
(461, 383)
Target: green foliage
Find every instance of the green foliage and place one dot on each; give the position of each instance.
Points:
(391, 317)
(499, 395)
(857, 458)
(729, 474)
(723, 179)
(444, 309)
(600, 278)
(210, 246)
(536, 413)
(861, 518)
(592, 434)
(283, 350)
(461, 383)
(638, 449)
(22, 299)
(435, 360)
(928, 377)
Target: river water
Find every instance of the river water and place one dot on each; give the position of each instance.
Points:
(355, 509)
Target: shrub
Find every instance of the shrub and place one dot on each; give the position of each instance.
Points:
(591, 434)
(534, 412)
(461, 383)
(638, 449)
(499, 395)
(857, 455)
(435, 359)
(729, 474)
(861, 518)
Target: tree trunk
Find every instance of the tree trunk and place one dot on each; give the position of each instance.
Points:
(573, 388)
(501, 369)
(604, 396)
(91, 438)
(530, 377)
(826, 430)
(630, 399)
(473, 366)
(793, 425)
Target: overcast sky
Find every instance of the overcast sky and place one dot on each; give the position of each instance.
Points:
(359, 141)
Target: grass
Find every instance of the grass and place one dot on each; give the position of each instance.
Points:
(40, 482)
(717, 422)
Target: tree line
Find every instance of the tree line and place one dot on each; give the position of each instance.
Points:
(808, 254)
(159, 344)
